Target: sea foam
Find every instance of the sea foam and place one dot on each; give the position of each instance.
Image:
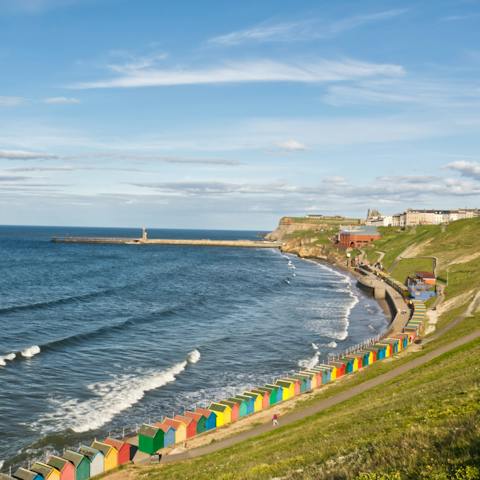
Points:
(110, 398)
(30, 351)
(310, 362)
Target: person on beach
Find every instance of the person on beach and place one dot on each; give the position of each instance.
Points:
(275, 420)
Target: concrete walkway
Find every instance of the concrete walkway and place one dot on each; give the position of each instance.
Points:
(322, 404)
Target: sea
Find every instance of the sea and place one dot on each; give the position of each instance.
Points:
(98, 339)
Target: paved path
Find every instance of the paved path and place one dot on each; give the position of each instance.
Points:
(322, 404)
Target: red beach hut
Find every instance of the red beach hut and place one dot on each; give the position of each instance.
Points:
(265, 397)
(340, 366)
(200, 421)
(123, 449)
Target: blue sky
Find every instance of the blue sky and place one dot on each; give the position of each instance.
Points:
(214, 114)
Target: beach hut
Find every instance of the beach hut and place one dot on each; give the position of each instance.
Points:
(312, 376)
(241, 404)
(80, 463)
(305, 382)
(367, 357)
(179, 427)
(381, 351)
(110, 454)
(234, 408)
(168, 434)
(222, 412)
(388, 349)
(150, 439)
(66, 469)
(249, 401)
(210, 418)
(403, 339)
(288, 388)
(340, 368)
(97, 460)
(190, 425)
(356, 362)
(326, 374)
(46, 471)
(395, 343)
(257, 400)
(332, 368)
(265, 396)
(348, 364)
(373, 355)
(200, 419)
(296, 382)
(24, 474)
(123, 450)
(276, 393)
(318, 376)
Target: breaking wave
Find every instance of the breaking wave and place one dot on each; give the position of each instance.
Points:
(30, 351)
(310, 362)
(332, 344)
(110, 398)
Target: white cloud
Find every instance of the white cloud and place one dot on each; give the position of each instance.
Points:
(12, 101)
(61, 100)
(301, 30)
(25, 155)
(292, 146)
(318, 71)
(466, 169)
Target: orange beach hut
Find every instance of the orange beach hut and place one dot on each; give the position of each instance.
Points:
(190, 425)
(123, 450)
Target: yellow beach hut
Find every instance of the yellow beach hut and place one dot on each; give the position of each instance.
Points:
(257, 400)
(223, 413)
(333, 370)
(46, 471)
(110, 454)
(179, 427)
(355, 362)
(288, 387)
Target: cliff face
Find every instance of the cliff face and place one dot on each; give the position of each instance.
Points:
(305, 237)
(288, 226)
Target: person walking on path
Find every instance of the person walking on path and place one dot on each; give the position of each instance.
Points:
(275, 420)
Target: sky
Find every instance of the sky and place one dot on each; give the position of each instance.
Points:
(214, 114)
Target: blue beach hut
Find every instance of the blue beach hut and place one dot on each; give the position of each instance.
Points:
(242, 406)
(210, 418)
(169, 434)
(326, 374)
(306, 382)
(277, 392)
(250, 402)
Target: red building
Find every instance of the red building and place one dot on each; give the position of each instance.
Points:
(355, 237)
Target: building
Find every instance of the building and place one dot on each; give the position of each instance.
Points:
(358, 236)
(413, 217)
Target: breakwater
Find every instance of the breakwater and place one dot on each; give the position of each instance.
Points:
(169, 241)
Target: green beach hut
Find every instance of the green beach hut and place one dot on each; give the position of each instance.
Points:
(150, 439)
(80, 463)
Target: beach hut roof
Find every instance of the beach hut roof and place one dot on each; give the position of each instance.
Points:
(237, 400)
(89, 452)
(184, 420)
(42, 468)
(148, 430)
(115, 443)
(164, 426)
(105, 448)
(74, 457)
(204, 411)
(285, 383)
(196, 415)
(173, 423)
(325, 365)
(228, 402)
(251, 394)
(3, 476)
(25, 474)
(271, 387)
(218, 407)
(57, 462)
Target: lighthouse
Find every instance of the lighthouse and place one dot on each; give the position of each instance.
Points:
(144, 234)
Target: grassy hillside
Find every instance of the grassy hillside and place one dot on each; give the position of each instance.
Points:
(454, 246)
